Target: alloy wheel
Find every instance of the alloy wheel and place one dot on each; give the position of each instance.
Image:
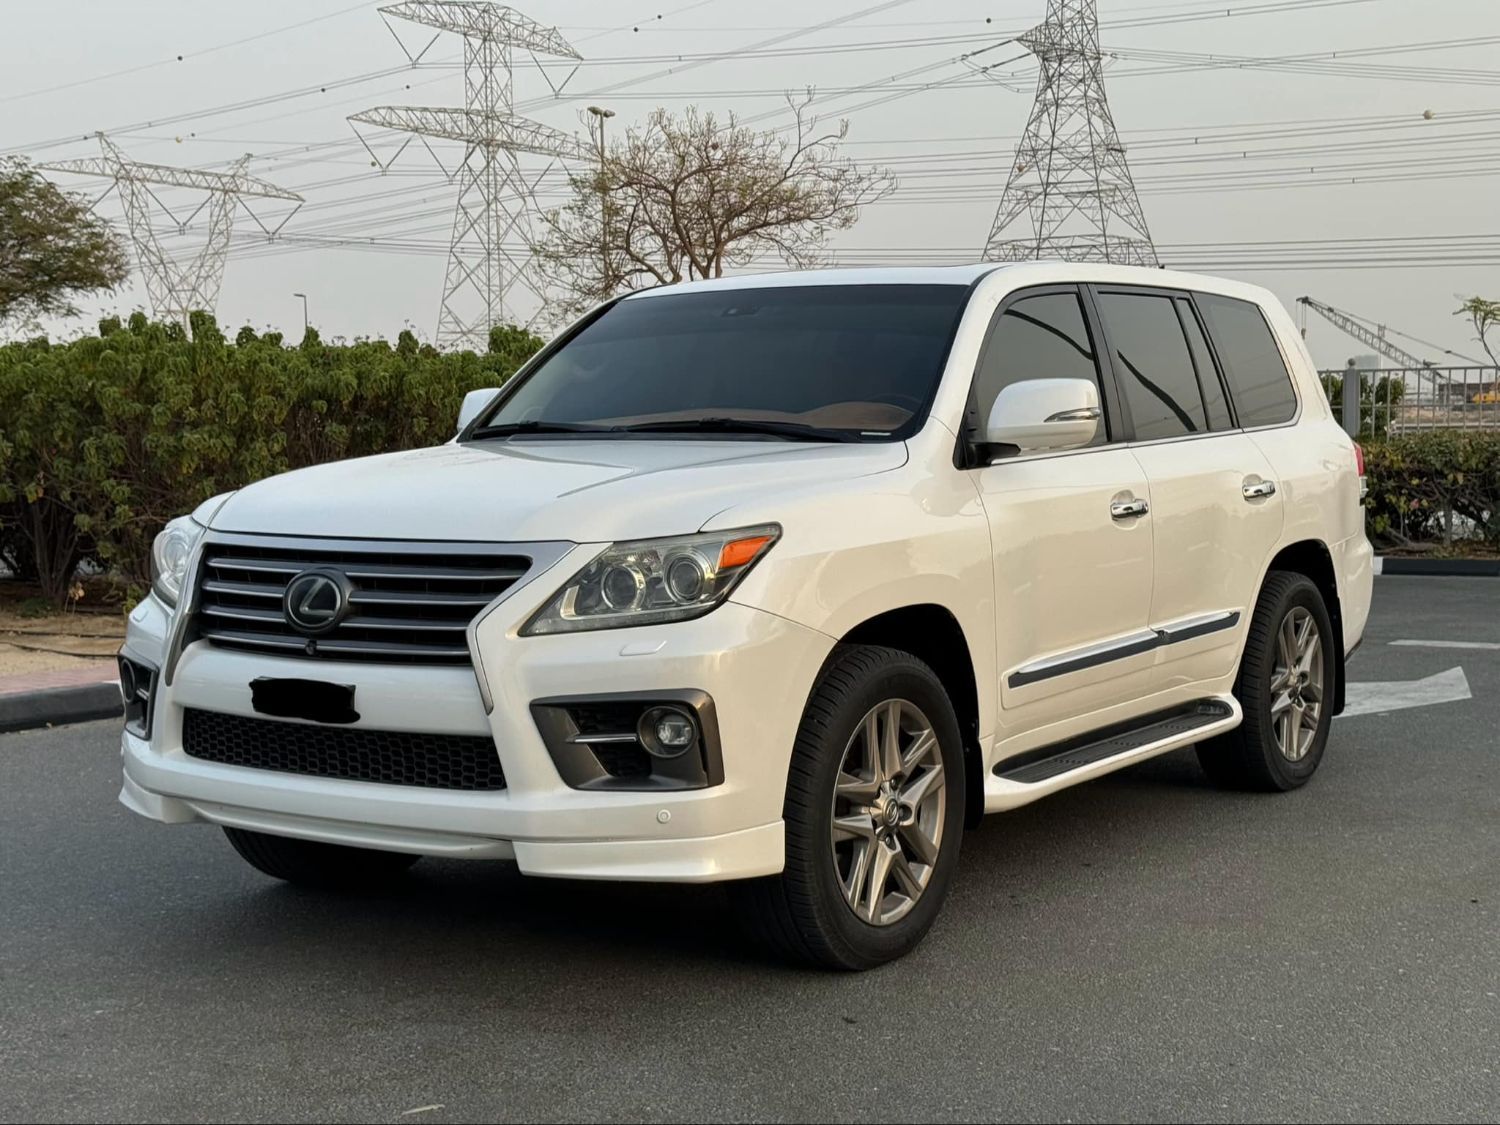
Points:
(889, 805)
(1297, 687)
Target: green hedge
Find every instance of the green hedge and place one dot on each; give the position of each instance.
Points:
(105, 438)
(1438, 488)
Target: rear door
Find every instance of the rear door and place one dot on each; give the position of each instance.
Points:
(1216, 514)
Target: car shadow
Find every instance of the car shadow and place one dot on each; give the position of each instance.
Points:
(487, 915)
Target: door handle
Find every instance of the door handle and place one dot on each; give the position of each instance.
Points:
(1255, 490)
(1128, 509)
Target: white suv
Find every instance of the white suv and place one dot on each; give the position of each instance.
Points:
(781, 581)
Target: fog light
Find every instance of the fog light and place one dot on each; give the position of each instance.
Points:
(668, 732)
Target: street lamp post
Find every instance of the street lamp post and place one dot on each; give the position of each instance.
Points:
(304, 311)
(603, 115)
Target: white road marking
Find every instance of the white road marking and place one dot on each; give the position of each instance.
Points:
(1451, 686)
(1449, 644)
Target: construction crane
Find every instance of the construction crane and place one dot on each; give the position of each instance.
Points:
(1373, 335)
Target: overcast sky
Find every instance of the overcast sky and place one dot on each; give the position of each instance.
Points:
(1432, 182)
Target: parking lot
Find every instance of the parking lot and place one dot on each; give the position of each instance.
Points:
(1145, 947)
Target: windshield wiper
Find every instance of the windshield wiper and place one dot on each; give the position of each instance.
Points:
(538, 426)
(792, 431)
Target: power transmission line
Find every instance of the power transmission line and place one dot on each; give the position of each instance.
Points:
(395, 220)
(1214, 11)
(169, 60)
(1325, 63)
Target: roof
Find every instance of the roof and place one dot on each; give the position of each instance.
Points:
(1017, 273)
(900, 275)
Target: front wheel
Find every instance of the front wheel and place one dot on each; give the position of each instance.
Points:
(319, 865)
(1286, 687)
(873, 814)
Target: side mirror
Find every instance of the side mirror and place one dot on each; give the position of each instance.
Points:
(1039, 414)
(474, 402)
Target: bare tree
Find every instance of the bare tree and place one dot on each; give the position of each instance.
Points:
(688, 197)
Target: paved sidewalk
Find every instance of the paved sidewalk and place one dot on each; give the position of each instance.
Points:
(72, 695)
(105, 673)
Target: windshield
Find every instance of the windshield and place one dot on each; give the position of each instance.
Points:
(826, 362)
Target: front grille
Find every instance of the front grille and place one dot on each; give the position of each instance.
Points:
(408, 604)
(431, 761)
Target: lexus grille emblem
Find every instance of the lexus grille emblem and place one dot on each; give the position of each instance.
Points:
(316, 601)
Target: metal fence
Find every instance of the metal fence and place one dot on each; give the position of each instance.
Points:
(1395, 401)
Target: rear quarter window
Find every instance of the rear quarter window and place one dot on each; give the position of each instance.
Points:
(1258, 379)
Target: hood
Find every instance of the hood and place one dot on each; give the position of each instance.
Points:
(531, 490)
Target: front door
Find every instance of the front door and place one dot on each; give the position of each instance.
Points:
(1072, 539)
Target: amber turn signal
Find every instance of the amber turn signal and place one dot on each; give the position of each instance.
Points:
(738, 552)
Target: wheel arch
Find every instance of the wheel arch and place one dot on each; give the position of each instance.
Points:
(1312, 559)
(932, 634)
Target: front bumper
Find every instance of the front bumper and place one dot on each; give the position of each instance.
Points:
(757, 667)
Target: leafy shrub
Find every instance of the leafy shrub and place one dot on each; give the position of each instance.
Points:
(1434, 487)
(104, 439)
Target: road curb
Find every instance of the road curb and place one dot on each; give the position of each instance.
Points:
(54, 706)
(1447, 568)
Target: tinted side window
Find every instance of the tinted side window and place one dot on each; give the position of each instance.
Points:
(1153, 364)
(1258, 378)
(1043, 337)
(1203, 360)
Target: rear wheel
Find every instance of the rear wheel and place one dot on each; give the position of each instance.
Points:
(314, 864)
(1286, 687)
(873, 813)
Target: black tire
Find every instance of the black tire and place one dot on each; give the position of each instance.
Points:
(802, 913)
(1250, 757)
(330, 866)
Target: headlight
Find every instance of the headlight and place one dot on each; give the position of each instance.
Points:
(652, 581)
(169, 557)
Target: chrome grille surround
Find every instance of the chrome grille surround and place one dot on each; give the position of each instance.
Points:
(409, 601)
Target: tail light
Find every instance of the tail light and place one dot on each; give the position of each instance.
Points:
(1359, 467)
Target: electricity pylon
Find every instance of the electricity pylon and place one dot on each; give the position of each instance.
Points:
(177, 288)
(1069, 194)
(490, 251)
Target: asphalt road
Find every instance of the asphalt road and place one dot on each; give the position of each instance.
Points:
(1144, 947)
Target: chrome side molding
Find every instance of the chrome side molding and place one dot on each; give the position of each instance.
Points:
(1132, 644)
